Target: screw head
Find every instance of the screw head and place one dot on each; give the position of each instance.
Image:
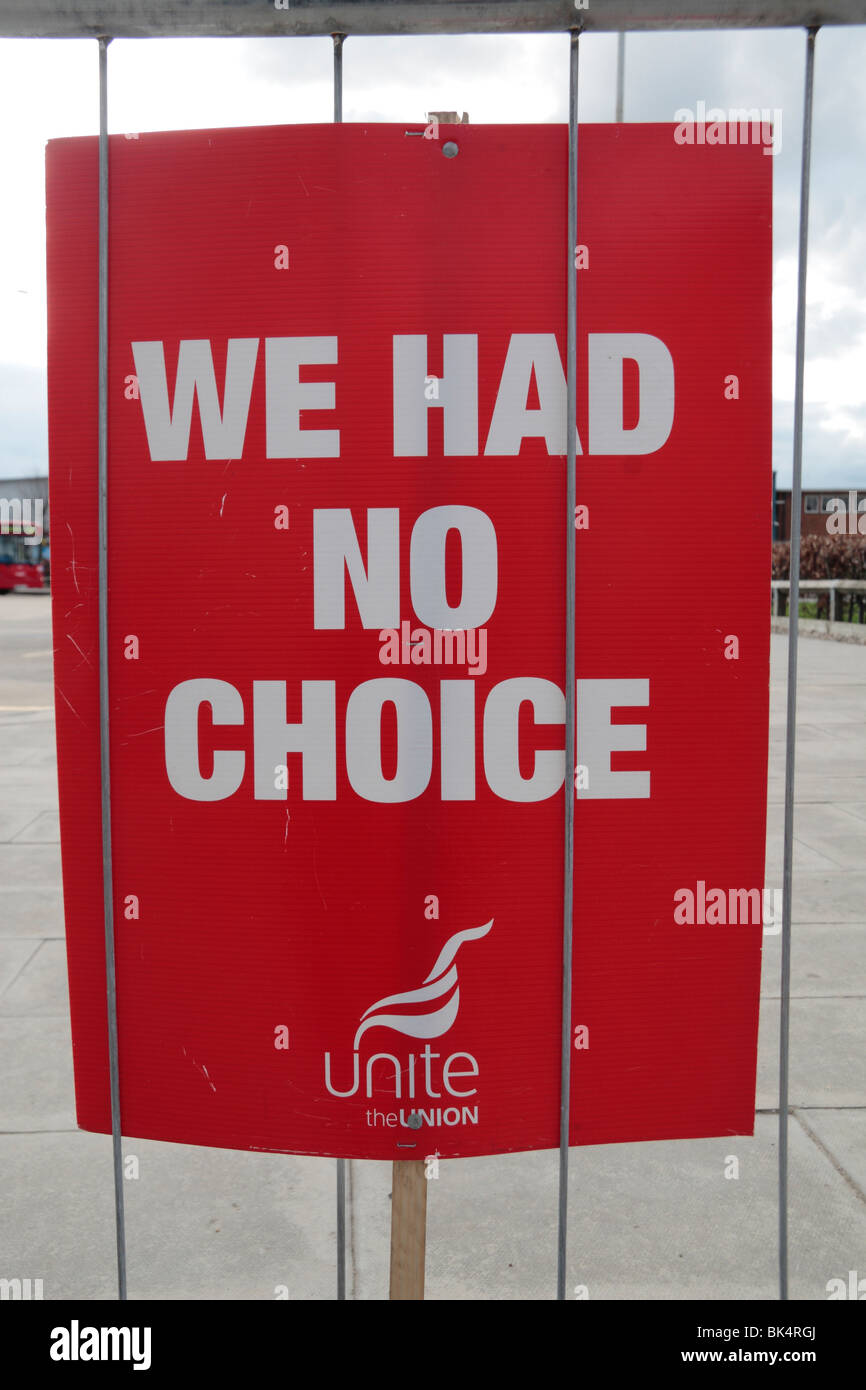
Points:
(450, 149)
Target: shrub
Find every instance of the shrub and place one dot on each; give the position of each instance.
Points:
(823, 557)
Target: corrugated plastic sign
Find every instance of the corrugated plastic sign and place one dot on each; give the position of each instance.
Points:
(337, 539)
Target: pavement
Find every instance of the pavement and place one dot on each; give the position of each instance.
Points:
(646, 1221)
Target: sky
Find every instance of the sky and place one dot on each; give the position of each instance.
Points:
(48, 88)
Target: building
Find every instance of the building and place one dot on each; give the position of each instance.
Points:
(819, 506)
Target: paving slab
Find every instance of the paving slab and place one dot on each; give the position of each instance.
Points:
(43, 758)
(25, 866)
(14, 955)
(827, 1056)
(646, 1221)
(816, 788)
(12, 822)
(31, 911)
(806, 733)
(26, 785)
(44, 829)
(827, 960)
(61, 1227)
(828, 896)
(827, 819)
(41, 987)
(845, 850)
(36, 1088)
(842, 1134)
(22, 742)
(201, 1223)
(30, 734)
(805, 857)
(217, 1223)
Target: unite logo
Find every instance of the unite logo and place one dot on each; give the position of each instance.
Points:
(418, 1013)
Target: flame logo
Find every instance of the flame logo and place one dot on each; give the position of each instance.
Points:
(442, 978)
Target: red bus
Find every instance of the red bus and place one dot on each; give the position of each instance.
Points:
(19, 569)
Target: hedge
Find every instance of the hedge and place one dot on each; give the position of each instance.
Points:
(823, 557)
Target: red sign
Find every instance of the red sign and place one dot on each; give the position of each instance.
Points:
(337, 560)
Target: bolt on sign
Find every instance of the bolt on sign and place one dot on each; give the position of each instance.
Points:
(337, 538)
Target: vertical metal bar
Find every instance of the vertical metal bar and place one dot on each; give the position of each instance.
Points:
(341, 1229)
(570, 555)
(620, 75)
(793, 634)
(104, 723)
(337, 40)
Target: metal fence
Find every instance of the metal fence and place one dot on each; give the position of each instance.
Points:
(107, 19)
(854, 590)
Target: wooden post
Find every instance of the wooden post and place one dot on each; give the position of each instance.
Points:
(408, 1229)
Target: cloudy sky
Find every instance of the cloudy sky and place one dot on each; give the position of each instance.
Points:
(48, 89)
